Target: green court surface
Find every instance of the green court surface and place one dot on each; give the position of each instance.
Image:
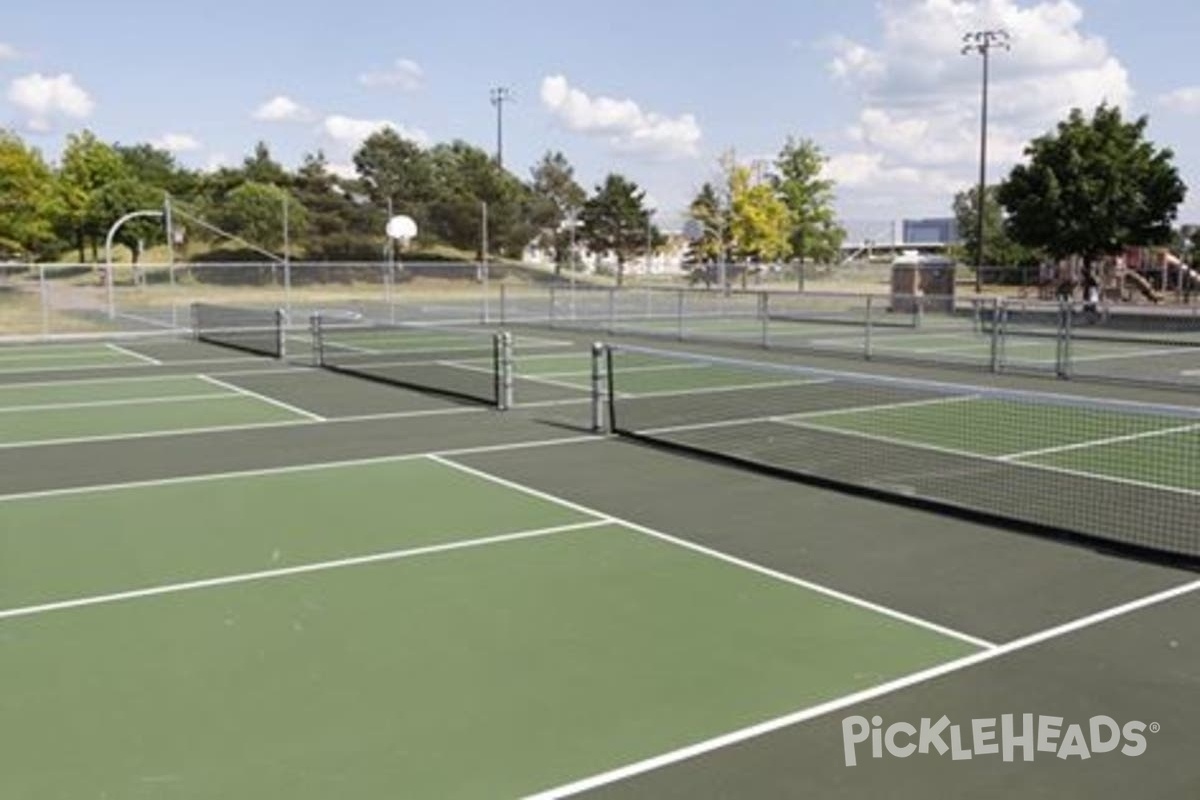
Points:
(34, 358)
(45, 412)
(576, 647)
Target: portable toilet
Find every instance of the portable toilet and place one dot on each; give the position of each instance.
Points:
(922, 281)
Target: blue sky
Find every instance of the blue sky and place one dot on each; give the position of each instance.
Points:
(656, 90)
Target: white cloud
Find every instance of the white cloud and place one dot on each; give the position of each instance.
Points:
(45, 97)
(622, 122)
(919, 121)
(342, 170)
(1185, 100)
(282, 109)
(8, 52)
(350, 133)
(176, 143)
(405, 75)
(216, 161)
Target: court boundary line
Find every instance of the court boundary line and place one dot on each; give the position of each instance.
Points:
(251, 426)
(139, 366)
(297, 569)
(856, 698)
(67, 491)
(1111, 440)
(133, 354)
(751, 566)
(128, 401)
(262, 397)
(1099, 476)
(192, 376)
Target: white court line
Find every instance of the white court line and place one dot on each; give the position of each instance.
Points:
(320, 465)
(1129, 437)
(133, 354)
(262, 397)
(127, 401)
(1113, 356)
(180, 377)
(720, 389)
(718, 555)
(139, 366)
(1099, 476)
(624, 370)
(250, 426)
(866, 695)
(96, 352)
(828, 412)
(282, 572)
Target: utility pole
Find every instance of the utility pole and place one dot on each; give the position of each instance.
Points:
(499, 96)
(981, 43)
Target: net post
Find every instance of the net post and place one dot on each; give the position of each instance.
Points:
(867, 329)
(611, 389)
(995, 334)
(318, 340)
(598, 363)
(281, 323)
(1064, 343)
(506, 371)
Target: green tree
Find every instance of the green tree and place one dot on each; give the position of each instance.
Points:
(254, 212)
(1092, 187)
(87, 165)
(999, 249)
(396, 169)
(557, 199)
(259, 167)
(25, 199)
(814, 232)
(465, 177)
(706, 208)
(117, 198)
(158, 169)
(759, 221)
(340, 225)
(615, 220)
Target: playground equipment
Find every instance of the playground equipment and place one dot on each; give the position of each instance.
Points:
(1139, 274)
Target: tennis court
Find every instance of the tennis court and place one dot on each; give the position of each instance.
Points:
(228, 575)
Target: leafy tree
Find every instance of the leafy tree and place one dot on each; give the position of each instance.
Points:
(158, 169)
(466, 176)
(706, 208)
(814, 232)
(396, 169)
(339, 226)
(1092, 187)
(259, 167)
(25, 199)
(117, 198)
(557, 199)
(87, 164)
(759, 221)
(615, 220)
(254, 211)
(999, 248)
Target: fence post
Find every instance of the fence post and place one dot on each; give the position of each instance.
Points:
(995, 334)
(553, 295)
(679, 310)
(765, 316)
(44, 293)
(503, 304)
(612, 310)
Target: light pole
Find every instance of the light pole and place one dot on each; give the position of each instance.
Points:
(982, 43)
(499, 96)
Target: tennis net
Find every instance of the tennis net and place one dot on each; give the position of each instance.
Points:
(252, 330)
(456, 362)
(1121, 473)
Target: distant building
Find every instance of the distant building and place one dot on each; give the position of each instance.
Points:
(935, 230)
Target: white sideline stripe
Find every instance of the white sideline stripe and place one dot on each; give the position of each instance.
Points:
(828, 412)
(718, 389)
(1098, 476)
(718, 555)
(866, 695)
(647, 368)
(1114, 355)
(97, 351)
(578, 387)
(262, 397)
(127, 401)
(180, 376)
(320, 465)
(133, 354)
(1129, 437)
(430, 412)
(300, 569)
(82, 367)
(157, 323)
